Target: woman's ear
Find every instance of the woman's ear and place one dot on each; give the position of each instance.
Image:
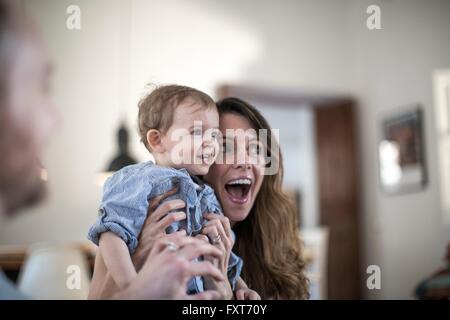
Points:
(154, 140)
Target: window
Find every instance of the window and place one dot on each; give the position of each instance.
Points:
(442, 105)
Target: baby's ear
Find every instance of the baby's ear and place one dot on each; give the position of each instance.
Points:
(154, 141)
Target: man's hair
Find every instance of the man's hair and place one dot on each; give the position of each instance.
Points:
(157, 108)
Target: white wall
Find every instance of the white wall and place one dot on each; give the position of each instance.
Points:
(320, 45)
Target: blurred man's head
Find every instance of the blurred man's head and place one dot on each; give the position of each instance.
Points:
(26, 114)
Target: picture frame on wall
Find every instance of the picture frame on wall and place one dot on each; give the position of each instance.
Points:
(401, 152)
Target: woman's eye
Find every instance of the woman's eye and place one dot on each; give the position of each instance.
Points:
(197, 132)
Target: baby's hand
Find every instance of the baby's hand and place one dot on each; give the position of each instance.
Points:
(247, 294)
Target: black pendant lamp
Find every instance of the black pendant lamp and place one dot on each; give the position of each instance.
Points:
(123, 157)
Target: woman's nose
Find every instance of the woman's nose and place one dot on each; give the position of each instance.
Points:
(243, 166)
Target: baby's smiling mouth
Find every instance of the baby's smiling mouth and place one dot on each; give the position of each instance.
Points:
(238, 189)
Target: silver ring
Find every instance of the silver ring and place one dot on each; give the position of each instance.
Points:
(216, 239)
(171, 246)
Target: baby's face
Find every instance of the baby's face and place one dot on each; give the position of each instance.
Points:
(192, 140)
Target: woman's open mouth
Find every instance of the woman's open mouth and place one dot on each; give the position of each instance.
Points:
(238, 189)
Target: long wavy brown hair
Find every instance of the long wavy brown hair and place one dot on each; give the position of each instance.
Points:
(268, 239)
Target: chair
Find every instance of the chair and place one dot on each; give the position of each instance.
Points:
(55, 271)
(315, 241)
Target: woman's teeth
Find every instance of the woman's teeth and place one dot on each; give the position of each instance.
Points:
(240, 181)
(238, 190)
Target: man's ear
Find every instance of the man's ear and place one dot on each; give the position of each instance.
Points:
(154, 141)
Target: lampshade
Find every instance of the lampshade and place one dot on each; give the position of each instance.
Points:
(47, 270)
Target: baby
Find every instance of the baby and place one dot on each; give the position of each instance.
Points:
(179, 126)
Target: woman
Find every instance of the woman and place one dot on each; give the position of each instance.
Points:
(261, 215)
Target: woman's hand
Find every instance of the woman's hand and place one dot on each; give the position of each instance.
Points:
(247, 294)
(156, 223)
(170, 266)
(218, 231)
(243, 292)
